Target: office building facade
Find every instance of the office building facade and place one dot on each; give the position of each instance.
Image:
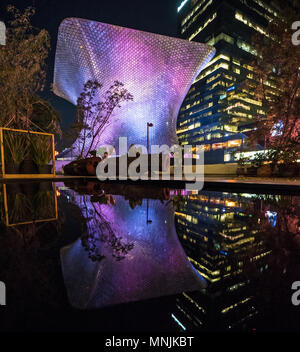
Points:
(218, 111)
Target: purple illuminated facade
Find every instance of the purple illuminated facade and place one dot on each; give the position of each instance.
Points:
(157, 70)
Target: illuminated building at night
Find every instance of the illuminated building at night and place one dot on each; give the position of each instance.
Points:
(157, 70)
(217, 111)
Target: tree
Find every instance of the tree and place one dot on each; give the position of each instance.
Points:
(94, 115)
(44, 117)
(277, 85)
(23, 75)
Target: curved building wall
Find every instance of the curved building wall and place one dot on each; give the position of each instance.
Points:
(157, 70)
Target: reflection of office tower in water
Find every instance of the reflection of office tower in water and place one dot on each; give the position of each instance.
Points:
(222, 243)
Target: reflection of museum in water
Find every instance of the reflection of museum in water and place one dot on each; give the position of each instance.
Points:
(207, 262)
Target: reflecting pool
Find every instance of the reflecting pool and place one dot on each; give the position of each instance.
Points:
(89, 256)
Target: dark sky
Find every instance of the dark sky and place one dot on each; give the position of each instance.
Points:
(157, 16)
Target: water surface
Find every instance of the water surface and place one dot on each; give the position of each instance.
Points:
(86, 256)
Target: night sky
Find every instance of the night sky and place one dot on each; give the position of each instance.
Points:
(157, 16)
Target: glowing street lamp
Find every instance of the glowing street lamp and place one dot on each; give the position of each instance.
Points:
(149, 124)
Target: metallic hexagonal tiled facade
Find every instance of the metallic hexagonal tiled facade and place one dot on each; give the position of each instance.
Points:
(157, 70)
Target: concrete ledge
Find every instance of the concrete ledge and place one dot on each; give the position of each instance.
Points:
(217, 182)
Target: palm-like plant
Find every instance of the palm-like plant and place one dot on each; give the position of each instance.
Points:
(15, 147)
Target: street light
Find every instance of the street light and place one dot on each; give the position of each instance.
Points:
(149, 124)
(148, 220)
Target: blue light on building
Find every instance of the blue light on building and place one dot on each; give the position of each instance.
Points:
(182, 5)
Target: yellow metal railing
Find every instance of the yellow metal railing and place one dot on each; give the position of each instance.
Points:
(19, 175)
(36, 220)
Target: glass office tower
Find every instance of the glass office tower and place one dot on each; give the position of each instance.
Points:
(218, 111)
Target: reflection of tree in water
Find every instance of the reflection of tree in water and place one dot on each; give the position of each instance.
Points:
(96, 229)
(276, 219)
(99, 231)
(177, 202)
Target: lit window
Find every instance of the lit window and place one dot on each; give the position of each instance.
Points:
(234, 144)
(227, 157)
(221, 36)
(196, 16)
(182, 5)
(216, 146)
(230, 203)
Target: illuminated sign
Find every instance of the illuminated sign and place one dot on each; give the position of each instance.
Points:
(181, 5)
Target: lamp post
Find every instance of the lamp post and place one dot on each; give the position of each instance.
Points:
(148, 220)
(149, 124)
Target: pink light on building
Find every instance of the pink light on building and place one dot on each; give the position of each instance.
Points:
(157, 70)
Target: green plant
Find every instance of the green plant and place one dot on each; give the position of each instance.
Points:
(259, 159)
(15, 147)
(41, 149)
